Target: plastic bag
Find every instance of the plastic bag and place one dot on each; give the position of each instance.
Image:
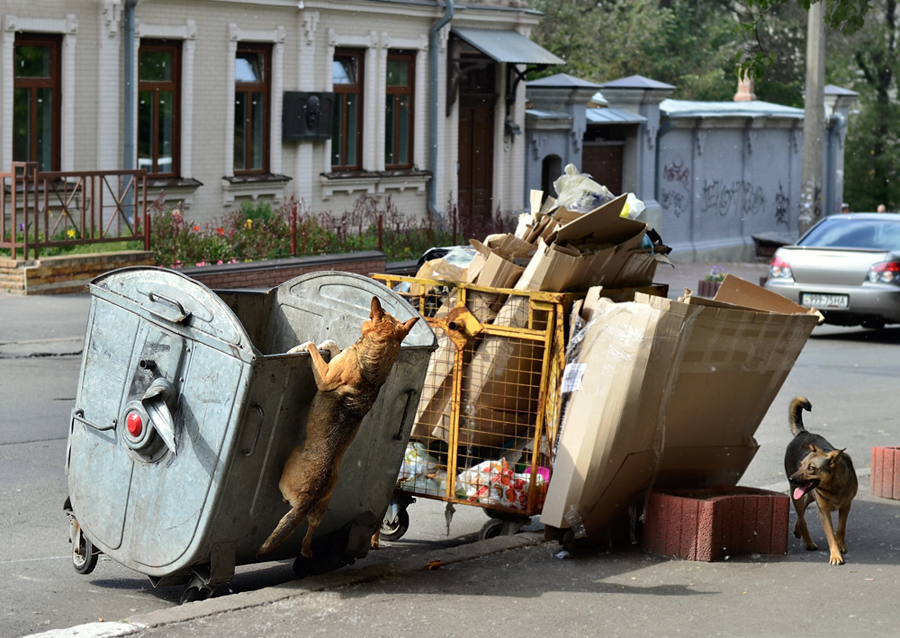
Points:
(496, 483)
(579, 193)
(633, 207)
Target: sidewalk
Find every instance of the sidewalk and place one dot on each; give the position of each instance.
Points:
(517, 586)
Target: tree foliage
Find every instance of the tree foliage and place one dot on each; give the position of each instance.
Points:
(868, 62)
(687, 43)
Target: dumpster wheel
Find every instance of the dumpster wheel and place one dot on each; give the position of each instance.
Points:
(193, 593)
(394, 527)
(84, 554)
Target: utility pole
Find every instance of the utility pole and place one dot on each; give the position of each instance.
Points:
(811, 191)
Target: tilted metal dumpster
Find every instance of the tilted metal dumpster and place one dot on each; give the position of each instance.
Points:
(188, 406)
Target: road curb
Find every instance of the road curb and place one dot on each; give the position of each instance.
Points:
(342, 578)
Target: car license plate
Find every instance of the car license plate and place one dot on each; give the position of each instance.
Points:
(824, 302)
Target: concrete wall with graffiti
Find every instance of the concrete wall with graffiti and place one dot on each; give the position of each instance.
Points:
(721, 180)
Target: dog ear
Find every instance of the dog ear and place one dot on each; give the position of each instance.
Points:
(813, 448)
(408, 324)
(376, 310)
(834, 455)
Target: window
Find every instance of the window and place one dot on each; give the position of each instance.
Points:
(252, 73)
(346, 136)
(398, 129)
(36, 100)
(158, 108)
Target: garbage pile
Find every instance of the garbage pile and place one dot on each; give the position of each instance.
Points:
(586, 237)
(650, 391)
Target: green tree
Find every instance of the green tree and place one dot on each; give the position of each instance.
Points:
(687, 43)
(691, 44)
(869, 62)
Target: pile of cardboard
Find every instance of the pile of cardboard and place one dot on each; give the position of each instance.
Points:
(667, 393)
(559, 250)
(555, 250)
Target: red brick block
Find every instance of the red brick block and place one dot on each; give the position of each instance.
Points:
(709, 524)
(884, 481)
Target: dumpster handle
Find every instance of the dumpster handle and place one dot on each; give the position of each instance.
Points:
(258, 430)
(409, 396)
(79, 417)
(182, 314)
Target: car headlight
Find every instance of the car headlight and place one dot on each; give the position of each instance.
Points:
(886, 272)
(780, 269)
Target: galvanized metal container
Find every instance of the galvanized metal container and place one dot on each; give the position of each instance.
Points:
(188, 406)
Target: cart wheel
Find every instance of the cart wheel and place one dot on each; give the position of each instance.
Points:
(492, 529)
(193, 593)
(84, 556)
(393, 529)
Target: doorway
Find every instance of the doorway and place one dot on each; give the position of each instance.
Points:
(477, 98)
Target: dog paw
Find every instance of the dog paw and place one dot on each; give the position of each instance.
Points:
(836, 559)
(811, 547)
(331, 347)
(303, 347)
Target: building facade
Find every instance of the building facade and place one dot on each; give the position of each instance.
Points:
(226, 101)
(713, 175)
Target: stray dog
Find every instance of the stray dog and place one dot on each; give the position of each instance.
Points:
(347, 388)
(816, 469)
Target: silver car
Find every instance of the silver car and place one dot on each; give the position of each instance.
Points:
(847, 267)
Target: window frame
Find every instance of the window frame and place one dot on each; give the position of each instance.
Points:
(54, 82)
(410, 92)
(341, 92)
(248, 88)
(156, 86)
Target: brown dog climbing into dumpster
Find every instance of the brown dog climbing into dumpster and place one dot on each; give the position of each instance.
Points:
(347, 388)
(815, 469)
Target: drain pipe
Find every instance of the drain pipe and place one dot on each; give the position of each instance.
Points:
(433, 113)
(128, 125)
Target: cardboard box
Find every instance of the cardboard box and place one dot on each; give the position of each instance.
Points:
(670, 394)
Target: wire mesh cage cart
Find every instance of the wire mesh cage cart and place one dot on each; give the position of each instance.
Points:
(486, 420)
(188, 406)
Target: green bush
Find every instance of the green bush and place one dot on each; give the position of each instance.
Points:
(257, 231)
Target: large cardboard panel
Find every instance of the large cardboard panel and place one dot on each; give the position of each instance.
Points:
(732, 362)
(602, 225)
(692, 403)
(616, 389)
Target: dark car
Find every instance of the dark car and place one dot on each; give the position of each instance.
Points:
(846, 266)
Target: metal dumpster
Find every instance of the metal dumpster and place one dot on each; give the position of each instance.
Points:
(188, 407)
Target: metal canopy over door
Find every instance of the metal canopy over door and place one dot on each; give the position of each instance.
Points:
(472, 72)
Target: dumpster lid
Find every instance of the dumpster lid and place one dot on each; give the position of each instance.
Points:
(177, 300)
(337, 303)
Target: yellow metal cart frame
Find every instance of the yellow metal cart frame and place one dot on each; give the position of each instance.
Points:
(487, 417)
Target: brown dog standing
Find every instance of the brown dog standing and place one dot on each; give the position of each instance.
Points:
(347, 388)
(817, 470)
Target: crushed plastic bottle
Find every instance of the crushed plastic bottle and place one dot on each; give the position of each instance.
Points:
(576, 524)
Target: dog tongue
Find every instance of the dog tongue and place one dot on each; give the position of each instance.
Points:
(798, 493)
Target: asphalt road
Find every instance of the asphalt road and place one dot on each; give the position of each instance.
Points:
(849, 375)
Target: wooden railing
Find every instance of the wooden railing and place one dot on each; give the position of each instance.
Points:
(50, 209)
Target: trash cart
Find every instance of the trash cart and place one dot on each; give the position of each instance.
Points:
(486, 426)
(188, 406)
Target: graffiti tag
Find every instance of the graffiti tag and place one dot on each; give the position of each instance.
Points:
(737, 198)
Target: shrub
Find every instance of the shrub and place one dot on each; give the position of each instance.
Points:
(257, 231)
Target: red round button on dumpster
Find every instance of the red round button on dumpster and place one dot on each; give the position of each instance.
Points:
(135, 424)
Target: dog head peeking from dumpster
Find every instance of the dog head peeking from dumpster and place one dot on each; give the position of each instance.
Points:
(347, 387)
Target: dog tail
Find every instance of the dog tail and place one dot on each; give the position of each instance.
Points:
(284, 529)
(795, 414)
